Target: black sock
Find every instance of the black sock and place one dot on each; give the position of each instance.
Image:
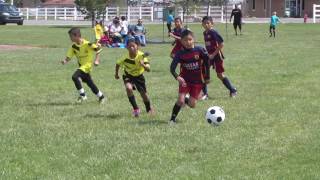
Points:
(205, 89)
(133, 102)
(228, 84)
(82, 94)
(147, 104)
(175, 112)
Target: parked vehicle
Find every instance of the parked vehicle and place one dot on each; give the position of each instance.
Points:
(10, 14)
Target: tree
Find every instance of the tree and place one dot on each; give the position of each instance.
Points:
(92, 8)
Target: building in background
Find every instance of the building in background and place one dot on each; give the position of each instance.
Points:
(284, 8)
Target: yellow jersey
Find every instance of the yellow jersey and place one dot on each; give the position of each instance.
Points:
(84, 53)
(133, 66)
(98, 31)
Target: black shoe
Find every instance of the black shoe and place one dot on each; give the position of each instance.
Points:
(101, 99)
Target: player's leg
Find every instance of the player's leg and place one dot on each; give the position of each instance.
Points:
(140, 84)
(129, 90)
(270, 30)
(225, 80)
(76, 78)
(235, 28)
(195, 90)
(180, 102)
(87, 79)
(240, 27)
(274, 31)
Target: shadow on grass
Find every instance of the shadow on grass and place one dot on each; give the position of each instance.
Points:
(107, 116)
(51, 104)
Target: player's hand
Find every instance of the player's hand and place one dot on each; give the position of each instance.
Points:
(116, 76)
(181, 81)
(63, 62)
(207, 81)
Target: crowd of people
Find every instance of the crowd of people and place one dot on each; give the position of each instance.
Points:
(118, 31)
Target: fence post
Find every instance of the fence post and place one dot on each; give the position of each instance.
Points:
(65, 14)
(209, 10)
(118, 11)
(107, 13)
(128, 14)
(152, 9)
(45, 14)
(36, 13)
(222, 8)
(314, 13)
(27, 13)
(75, 13)
(140, 13)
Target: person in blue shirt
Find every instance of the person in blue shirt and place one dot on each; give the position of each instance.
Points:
(274, 21)
(170, 19)
(139, 32)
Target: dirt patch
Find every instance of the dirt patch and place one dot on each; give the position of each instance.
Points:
(16, 47)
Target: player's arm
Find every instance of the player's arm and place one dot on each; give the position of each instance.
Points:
(231, 15)
(219, 48)
(144, 62)
(97, 48)
(116, 74)
(69, 56)
(173, 67)
(174, 36)
(206, 64)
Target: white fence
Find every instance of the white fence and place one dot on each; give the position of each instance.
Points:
(316, 12)
(132, 13)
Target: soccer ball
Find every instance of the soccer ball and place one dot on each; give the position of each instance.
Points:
(215, 115)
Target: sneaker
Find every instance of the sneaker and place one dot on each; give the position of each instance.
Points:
(151, 112)
(136, 112)
(233, 93)
(205, 97)
(102, 99)
(172, 122)
(81, 99)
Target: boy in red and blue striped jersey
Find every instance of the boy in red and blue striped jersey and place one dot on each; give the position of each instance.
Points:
(194, 72)
(214, 45)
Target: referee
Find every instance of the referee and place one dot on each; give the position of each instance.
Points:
(236, 12)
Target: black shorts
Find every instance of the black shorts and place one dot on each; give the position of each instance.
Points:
(236, 23)
(138, 82)
(272, 27)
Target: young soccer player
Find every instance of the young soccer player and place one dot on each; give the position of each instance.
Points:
(274, 21)
(134, 65)
(214, 45)
(84, 51)
(176, 35)
(194, 72)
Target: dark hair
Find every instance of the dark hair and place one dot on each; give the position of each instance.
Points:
(134, 40)
(186, 32)
(177, 19)
(207, 18)
(75, 31)
(123, 18)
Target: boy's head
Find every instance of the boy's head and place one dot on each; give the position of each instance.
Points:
(75, 34)
(207, 22)
(187, 39)
(177, 22)
(274, 13)
(123, 18)
(139, 21)
(133, 45)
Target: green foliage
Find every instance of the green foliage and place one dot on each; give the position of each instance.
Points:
(92, 8)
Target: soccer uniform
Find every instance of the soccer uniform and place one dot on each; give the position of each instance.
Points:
(98, 30)
(274, 22)
(237, 15)
(194, 69)
(212, 40)
(133, 71)
(178, 45)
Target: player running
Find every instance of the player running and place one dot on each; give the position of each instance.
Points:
(176, 34)
(237, 20)
(274, 21)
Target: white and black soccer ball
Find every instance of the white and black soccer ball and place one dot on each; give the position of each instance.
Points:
(215, 115)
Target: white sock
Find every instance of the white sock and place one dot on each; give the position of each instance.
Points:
(81, 91)
(99, 94)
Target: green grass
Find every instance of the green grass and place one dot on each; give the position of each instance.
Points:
(271, 129)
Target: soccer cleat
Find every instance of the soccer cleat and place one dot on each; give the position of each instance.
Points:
(81, 99)
(172, 122)
(233, 93)
(136, 112)
(102, 99)
(151, 112)
(205, 97)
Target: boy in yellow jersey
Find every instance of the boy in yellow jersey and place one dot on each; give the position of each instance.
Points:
(84, 52)
(98, 30)
(134, 64)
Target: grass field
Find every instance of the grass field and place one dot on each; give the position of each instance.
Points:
(271, 129)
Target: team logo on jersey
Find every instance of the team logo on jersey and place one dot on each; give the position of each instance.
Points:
(196, 56)
(209, 36)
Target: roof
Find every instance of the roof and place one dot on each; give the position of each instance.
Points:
(58, 3)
